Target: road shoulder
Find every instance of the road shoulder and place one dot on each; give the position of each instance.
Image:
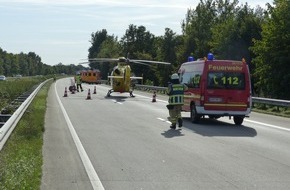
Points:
(62, 167)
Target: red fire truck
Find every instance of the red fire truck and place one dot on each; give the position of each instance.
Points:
(216, 88)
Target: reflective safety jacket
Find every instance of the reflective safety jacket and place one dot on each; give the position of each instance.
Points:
(176, 93)
(78, 79)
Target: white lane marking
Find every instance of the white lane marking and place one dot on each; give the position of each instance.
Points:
(164, 120)
(268, 125)
(94, 178)
(115, 101)
(157, 100)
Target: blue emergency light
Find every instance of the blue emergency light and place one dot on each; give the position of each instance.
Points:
(190, 58)
(210, 56)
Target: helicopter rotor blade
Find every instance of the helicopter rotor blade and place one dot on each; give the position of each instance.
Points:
(115, 77)
(84, 63)
(99, 60)
(103, 59)
(137, 62)
(148, 61)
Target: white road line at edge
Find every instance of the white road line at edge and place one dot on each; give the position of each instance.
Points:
(268, 125)
(94, 178)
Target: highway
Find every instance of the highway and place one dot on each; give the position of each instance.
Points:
(125, 143)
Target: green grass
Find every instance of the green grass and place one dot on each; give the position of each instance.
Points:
(271, 110)
(21, 157)
(11, 89)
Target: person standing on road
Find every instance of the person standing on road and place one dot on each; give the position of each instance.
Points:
(176, 93)
(78, 81)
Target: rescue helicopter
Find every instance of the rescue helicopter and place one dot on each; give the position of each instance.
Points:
(121, 76)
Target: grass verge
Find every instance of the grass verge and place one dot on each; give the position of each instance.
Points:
(21, 157)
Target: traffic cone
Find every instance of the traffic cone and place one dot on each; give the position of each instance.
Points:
(65, 92)
(89, 95)
(154, 97)
(95, 90)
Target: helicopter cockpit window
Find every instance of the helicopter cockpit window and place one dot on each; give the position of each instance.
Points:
(191, 79)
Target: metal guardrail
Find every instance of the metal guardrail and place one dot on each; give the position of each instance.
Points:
(274, 102)
(149, 88)
(13, 119)
(268, 101)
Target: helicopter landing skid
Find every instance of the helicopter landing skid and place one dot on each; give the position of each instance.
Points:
(131, 94)
(109, 92)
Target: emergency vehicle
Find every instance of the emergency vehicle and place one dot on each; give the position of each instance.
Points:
(91, 76)
(216, 88)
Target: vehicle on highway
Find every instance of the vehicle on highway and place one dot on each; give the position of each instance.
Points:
(91, 76)
(217, 88)
(2, 77)
(122, 76)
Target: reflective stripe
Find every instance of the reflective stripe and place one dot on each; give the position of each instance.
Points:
(176, 99)
(176, 93)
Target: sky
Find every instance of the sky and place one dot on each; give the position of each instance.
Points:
(59, 31)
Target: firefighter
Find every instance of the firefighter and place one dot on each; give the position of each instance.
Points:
(175, 92)
(78, 81)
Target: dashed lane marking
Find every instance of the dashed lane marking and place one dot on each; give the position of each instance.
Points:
(164, 120)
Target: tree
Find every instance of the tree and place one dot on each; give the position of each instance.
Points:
(166, 47)
(273, 58)
(110, 48)
(197, 29)
(97, 39)
(137, 43)
(234, 33)
(137, 39)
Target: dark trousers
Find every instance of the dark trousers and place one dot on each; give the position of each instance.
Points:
(79, 86)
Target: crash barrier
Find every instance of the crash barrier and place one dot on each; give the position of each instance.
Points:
(9, 123)
(266, 101)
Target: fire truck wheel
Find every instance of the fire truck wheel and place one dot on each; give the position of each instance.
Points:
(194, 117)
(238, 120)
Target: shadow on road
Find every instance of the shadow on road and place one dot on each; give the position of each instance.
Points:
(212, 127)
(170, 133)
(117, 98)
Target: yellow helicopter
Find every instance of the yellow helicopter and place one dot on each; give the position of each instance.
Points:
(121, 76)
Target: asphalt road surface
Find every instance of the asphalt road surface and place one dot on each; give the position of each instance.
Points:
(125, 143)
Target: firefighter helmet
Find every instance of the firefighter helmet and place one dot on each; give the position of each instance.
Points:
(174, 76)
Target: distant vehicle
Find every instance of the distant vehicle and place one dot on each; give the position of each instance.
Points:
(2, 77)
(216, 88)
(18, 76)
(91, 76)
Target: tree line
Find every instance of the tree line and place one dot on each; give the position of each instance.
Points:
(225, 28)
(30, 65)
